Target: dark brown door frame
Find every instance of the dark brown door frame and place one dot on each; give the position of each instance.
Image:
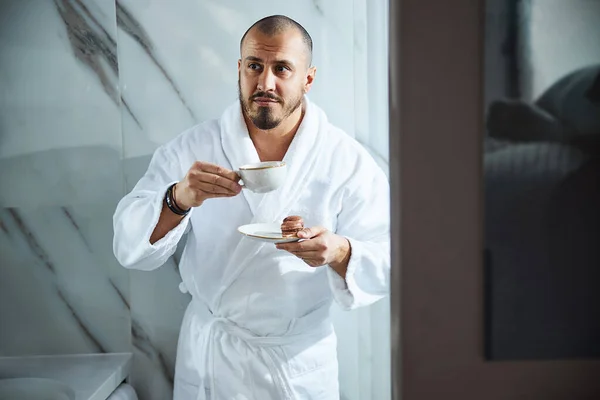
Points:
(436, 119)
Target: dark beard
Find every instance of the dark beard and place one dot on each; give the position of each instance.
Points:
(264, 118)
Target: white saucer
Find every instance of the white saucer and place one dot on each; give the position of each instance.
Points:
(270, 233)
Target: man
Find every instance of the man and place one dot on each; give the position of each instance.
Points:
(258, 324)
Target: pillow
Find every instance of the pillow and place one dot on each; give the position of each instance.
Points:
(574, 100)
(520, 121)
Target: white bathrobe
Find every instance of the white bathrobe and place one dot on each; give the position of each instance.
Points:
(258, 324)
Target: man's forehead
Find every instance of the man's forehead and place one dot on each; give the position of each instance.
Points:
(284, 46)
(269, 54)
(274, 59)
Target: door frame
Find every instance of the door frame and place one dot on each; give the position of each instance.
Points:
(436, 123)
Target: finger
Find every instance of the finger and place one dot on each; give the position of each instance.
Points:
(294, 246)
(218, 170)
(218, 195)
(313, 255)
(309, 233)
(300, 250)
(217, 180)
(287, 246)
(211, 189)
(299, 247)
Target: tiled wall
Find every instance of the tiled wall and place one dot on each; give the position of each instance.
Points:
(61, 290)
(89, 89)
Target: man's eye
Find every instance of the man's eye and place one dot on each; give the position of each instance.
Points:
(254, 66)
(281, 68)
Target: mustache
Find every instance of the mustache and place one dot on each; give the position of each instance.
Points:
(266, 96)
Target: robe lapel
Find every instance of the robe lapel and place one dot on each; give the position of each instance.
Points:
(238, 147)
(300, 160)
(270, 207)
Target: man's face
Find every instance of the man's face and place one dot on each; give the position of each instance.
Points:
(274, 75)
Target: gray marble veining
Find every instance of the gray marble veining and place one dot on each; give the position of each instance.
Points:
(127, 22)
(92, 88)
(93, 46)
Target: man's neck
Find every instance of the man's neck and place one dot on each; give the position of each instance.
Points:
(272, 144)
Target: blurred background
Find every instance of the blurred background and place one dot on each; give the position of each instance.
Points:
(542, 178)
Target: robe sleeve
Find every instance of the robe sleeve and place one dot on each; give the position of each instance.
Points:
(138, 212)
(365, 221)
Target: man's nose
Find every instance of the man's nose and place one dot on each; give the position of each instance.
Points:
(266, 81)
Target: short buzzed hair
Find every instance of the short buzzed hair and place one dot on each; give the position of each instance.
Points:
(276, 24)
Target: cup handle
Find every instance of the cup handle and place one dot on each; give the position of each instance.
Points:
(240, 182)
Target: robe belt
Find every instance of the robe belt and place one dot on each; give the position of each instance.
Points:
(263, 344)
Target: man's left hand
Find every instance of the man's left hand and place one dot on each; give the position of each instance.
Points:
(320, 247)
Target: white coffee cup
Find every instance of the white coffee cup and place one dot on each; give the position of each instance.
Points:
(262, 177)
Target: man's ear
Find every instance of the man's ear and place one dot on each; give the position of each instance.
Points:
(310, 77)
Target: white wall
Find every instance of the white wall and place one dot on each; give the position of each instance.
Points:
(90, 89)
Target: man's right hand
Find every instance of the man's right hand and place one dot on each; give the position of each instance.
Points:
(204, 181)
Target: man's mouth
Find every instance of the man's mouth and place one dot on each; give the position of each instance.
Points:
(264, 101)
